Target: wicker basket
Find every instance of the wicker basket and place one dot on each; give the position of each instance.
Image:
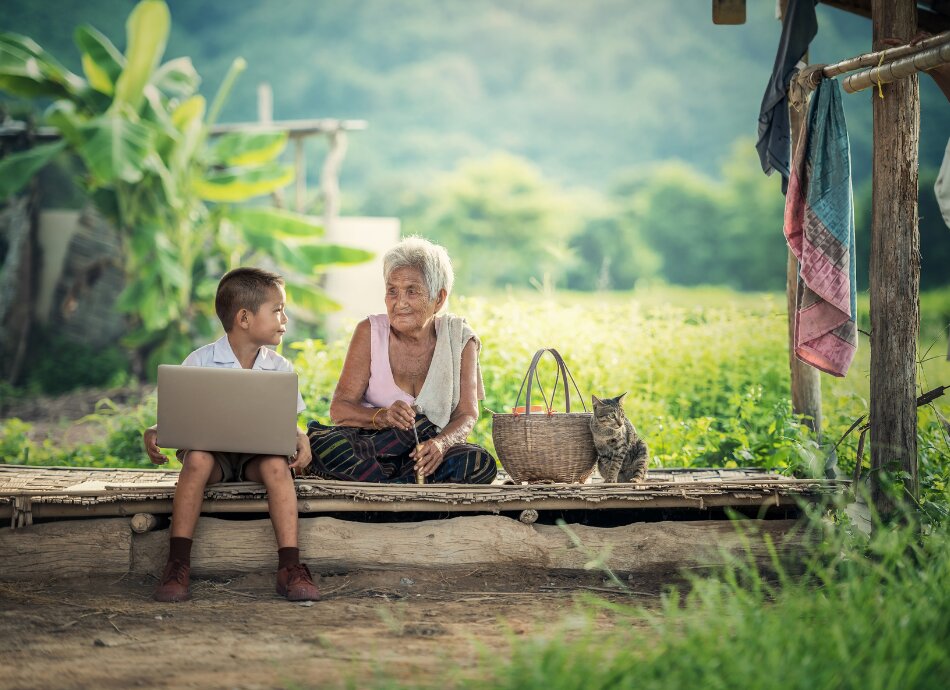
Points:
(545, 447)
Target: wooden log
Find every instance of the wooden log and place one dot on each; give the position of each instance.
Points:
(326, 544)
(895, 264)
(66, 549)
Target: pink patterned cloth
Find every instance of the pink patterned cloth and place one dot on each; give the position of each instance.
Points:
(819, 228)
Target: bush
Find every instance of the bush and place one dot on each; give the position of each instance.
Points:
(58, 365)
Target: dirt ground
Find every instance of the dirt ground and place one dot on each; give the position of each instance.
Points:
(412, 626)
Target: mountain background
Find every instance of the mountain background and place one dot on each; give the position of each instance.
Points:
(576, 98)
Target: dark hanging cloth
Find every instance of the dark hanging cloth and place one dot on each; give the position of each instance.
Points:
(775, 142)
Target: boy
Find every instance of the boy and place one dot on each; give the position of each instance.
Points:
(250, 304)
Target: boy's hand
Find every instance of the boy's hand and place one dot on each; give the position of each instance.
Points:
(303, 456)
(150, 438)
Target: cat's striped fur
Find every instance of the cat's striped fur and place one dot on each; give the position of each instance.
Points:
(621, 454)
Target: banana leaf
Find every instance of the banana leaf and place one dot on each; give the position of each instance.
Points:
(146, 32)
(248, 148)
(272, 222)
(17, 169)
(115, 148)
(306, 259)
(177, 78)
(101, 61)
(241, 185)
(29, 71)
(307, 301)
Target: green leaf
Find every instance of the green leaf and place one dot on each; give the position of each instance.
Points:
(231, 186)
(29, 71)
(17, 169)
(62, 115)
(307, 301)
(147, 32)
(248, 148)
(272, 222)
(101, 61)
(321, 255)
(115, 148)
(177, 78)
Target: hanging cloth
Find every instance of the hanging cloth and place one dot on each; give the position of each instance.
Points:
(819, 228)
(799, 26)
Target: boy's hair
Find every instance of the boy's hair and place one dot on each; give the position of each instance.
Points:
(243, 288)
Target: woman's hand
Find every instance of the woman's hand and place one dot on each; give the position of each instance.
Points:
(399, 415)
(429, 455)
(150, 438)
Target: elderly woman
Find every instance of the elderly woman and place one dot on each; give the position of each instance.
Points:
(408, 395)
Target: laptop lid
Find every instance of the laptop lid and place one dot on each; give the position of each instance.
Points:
(227, 410)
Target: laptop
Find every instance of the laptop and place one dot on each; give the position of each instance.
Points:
(227, 410)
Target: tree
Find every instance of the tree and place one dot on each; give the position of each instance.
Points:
(501, 221)
(142, 133)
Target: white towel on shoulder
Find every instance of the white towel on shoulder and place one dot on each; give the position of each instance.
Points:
(442, 389)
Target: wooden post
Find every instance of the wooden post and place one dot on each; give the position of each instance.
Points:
(805, 380)
(265, 115)
(895, 263)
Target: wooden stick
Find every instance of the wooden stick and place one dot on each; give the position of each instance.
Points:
(888, 55)
(898, 69)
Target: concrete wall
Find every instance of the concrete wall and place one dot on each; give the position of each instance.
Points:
(360, 288)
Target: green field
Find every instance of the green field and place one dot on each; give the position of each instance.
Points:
(706, 375)
(705, 370)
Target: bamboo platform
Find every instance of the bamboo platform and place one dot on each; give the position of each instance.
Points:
(34, 493)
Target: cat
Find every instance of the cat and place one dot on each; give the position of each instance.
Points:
(621, 454)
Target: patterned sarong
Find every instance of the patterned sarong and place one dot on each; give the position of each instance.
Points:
(369, 455)
(819, 228)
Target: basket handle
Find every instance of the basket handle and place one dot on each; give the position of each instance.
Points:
(562, 373)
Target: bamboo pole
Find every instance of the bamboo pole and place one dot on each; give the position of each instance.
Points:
(898, 69)
(875, 58)
(895, 265)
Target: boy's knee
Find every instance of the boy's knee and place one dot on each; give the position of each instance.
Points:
(198, 460)
(274, 468)
(199, 466)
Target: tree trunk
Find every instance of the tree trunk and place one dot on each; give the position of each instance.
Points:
(895, 264)
(109, 547)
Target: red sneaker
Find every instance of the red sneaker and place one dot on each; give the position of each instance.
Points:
(296, 583)
(173, 585)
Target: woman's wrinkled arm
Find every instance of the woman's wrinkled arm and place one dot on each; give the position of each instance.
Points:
(463, 416)
(346, 408)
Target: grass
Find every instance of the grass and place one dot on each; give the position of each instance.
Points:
(705, 369)
(862, 612)
(706, 376)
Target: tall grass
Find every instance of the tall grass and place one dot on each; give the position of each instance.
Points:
(705, 370)
(868, 613)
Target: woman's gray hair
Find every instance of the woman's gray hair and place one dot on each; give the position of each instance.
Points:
(431, 260)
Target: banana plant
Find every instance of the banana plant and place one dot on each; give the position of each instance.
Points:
(142, 132)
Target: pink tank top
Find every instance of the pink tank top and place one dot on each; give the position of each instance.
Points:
(382, 390)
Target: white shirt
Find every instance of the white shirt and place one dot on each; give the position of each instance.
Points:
(220, 355)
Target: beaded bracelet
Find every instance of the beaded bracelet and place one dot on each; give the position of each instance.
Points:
(376, 415)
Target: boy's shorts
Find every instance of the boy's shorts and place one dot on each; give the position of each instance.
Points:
(232, 464)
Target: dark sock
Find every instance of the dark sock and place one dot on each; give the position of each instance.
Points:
(287, 556)
(179, 549)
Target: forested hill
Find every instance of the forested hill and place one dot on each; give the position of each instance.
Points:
(582, 89)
